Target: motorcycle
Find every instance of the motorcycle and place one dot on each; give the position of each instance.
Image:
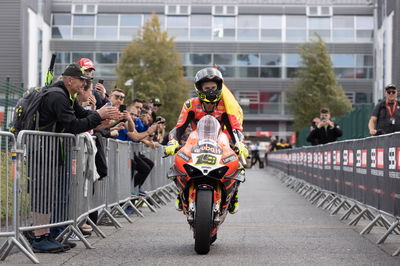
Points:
(206, 173)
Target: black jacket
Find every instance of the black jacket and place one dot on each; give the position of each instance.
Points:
(59, 110)
(324, 135)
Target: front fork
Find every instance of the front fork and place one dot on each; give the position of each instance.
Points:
(217, 193)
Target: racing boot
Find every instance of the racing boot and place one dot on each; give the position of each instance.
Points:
(234, 205)
(178, 203)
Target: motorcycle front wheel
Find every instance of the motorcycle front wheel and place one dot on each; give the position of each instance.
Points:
(203, 221)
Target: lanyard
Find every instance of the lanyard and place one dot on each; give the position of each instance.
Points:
(391, 110)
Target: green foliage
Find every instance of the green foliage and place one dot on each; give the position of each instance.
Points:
(152, 61)
(316, 86)
(6, 186)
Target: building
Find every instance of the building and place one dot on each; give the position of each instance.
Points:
(254, 42)
(387, 43)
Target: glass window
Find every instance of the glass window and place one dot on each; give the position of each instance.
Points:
(319, 23)
(344, 73)
(343, 60)
(62, 19)
(184, 9)
(105, 70)
(201, 21)
(200, 59)
(293, 60)
(313, 10)
(179, 34)
(271, 22)
(366, 23)
(128, 33)
(77, 56)
(343, 35)
(363, 97)
(365, 35)
(247, 22)
(230, 9)
(224, 34)
(271, 35)
(291, 72)
(63, 58)
(296, 21)
(106, 58)
(131, 20)
(83, 20)
(270, 97)
(224, 22)
(325, 10)
(190, 71)
(296, 35)
(107, 20)
(109, 33)
(271, 60)
(223, 59)
(247, 72)
(343, 22)
(364, 60)
(325, 34)
(61, 32)
(364, 73)
(227, 72)
(247, 60)
(200, 34)
(177, 21)
(161, 19)
(83, 33)
(270, 72)
(247, 34)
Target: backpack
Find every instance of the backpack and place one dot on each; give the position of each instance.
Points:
(26, 114)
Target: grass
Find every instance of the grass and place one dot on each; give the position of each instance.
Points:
(6, 192)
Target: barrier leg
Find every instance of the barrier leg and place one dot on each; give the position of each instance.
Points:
(159, 198)
(332, 203)
(396, 253)
(161, 191)
(316, 196)
(139, 213)
(364, 213)
(106, 213)
(167, 193)
(369, 227)
(118, 208)
(311, 194)
(8, 245)
(341, 205)
(80, 236)
(96, 229)
(388, 232)
(148, 204)
(328, 197)
(152, 202)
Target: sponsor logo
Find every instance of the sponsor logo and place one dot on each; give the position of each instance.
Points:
(207, 148)
(185, 157)
(228, 159)
(377, 158)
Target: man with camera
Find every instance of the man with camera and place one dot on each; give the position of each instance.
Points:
(326, 131)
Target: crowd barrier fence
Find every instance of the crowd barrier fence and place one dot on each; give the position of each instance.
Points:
(50, 181)
(360, 176)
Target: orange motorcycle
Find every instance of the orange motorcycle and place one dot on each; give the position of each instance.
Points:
(206, 172)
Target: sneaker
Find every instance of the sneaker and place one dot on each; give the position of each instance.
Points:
(142, 192)
(234, 204)
(178, 204)
(86, 227)
(74, 237)
(69, 244)
(45, 244)
(128, 210)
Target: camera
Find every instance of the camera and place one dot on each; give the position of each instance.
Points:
(122, 108)
(160, 119)
(323, 118)
(101, 81)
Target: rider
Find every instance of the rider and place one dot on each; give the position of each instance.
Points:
(208, 85)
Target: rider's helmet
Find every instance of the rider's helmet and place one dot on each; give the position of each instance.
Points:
(204, 75)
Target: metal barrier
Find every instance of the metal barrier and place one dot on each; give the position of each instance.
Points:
(54, 185)
(9, 177)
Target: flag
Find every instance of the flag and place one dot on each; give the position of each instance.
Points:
(232, 107)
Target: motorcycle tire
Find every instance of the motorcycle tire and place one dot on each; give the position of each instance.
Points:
(203, 221)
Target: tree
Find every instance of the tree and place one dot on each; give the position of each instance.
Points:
(316, 86)
(152, 62)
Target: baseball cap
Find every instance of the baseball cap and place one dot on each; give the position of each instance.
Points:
(324, 110)
(155, 101)
(390, 86)
(86, 63)
(75, 70)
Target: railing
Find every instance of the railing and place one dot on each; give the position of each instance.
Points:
(361, 176)
(54, 183)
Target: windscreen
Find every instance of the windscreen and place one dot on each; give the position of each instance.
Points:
(208, 129)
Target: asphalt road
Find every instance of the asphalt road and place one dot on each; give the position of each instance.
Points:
(274, 226)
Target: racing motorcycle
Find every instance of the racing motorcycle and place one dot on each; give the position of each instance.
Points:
(206, 173)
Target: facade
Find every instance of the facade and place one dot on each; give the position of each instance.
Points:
(254, 42)
(387, 43)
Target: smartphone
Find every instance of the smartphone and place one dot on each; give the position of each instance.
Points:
(101, 81)
(122, 108)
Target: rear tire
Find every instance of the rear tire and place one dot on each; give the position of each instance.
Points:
(203, 221)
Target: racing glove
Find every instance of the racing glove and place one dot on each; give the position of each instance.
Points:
(171, 147)
(241, 149)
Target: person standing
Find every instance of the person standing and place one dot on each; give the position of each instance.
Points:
(386, 115)
(326, 131)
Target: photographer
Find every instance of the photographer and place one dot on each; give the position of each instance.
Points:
(326, 131)
(314, 123)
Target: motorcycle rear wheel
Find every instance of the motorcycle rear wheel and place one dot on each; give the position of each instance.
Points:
(203, 221)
